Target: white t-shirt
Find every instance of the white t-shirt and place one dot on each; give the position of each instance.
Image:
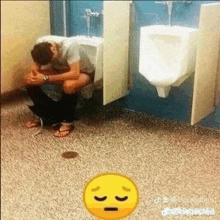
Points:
(73, 52)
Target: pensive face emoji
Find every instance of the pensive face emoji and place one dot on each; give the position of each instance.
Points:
(110, 196)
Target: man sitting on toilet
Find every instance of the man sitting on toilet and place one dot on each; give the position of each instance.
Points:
(61, 69)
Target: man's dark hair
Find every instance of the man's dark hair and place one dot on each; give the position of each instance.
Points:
(42, 53)
(60, 65)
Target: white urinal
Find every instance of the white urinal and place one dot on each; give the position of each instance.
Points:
(167, 55)
(94, 48)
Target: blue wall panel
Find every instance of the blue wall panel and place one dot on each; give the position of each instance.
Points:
(56, 16)
(78, 25)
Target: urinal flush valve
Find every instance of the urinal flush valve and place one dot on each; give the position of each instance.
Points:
(87, 15)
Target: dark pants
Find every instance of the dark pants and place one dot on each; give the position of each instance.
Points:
(50, 111)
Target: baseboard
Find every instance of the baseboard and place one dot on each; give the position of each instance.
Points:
(12, 96)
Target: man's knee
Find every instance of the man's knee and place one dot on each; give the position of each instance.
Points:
(69, 87)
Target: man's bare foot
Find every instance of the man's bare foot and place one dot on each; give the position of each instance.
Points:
(32, 123)
(64, 130)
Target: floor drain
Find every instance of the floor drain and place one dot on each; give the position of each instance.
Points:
(69, 154)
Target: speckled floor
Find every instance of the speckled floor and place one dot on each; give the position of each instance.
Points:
(173, 165)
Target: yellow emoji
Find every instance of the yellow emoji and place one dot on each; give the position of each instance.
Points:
(110, 196)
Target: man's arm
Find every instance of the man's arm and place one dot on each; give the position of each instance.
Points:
(36, 76)
(73, 74)
(32, 72)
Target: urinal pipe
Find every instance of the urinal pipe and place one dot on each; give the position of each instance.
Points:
(170, 7)
(64, 19)
(88, 15)
(88, 26)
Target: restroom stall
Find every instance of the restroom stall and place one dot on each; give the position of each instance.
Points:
(117, 76)
(189, 100)
(206, 86)
(113, 24)
(122, 81)
(111, 20)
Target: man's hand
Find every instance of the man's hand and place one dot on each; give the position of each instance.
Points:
(34, 78)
